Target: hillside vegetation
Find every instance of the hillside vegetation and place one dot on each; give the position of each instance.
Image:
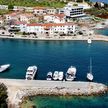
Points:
(47, 3)
(3, 96)
(33, 3)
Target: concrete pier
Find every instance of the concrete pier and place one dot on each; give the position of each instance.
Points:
(17, 89)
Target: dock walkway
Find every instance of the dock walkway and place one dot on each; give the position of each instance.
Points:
(17, 89)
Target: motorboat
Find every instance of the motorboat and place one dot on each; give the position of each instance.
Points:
(89, 41)
(31, 72)
(55, 75)
(4, 67)
(60, 77)
(49, 76)
(70, 74)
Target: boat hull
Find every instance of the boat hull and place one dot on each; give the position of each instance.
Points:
(31, 77)
(49, 76)
(89, 77)
(4, 67)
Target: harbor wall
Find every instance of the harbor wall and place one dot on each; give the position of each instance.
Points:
(18, 89)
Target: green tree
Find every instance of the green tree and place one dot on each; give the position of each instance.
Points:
(3, 96)
(75, 4)
(10, 7)
(79, 0)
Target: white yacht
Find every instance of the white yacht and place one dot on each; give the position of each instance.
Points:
(89, 41)
(70, 74)
(60, 77)
(4, 67)
(55, 75)
(49, 76)
(31, 71)
(90, 75)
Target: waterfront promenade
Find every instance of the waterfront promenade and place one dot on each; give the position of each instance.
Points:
(17, 89)
(78, 37)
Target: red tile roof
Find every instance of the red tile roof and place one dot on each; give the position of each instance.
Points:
(59, 15)
(50, 24)
(39, 8)
(20, 22)
(27, 14)
(34, 24)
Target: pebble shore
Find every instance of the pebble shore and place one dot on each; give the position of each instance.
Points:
(79, 37)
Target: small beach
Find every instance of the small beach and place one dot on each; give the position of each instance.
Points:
(78, 37)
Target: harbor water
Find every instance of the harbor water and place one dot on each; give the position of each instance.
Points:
(67, 102)
(52, 56)
(57, 55)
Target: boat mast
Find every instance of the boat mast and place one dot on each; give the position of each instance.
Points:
(90, 65)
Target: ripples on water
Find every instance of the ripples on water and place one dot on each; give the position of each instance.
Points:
(68, 102)
(57, 55)
(54, 55)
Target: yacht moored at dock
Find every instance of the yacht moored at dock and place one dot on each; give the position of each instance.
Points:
(70, 74)
(49, 76)
(4, 67)
(89, 41)
(60, 77)
(31, 71)
(55, 75)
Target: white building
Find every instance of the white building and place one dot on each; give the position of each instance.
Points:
(26, 17)
(5, 7)
(18, 8)
(39, 11)
(49, 28)
(43, 10)
(51, 11)
(12, 16)
(29, 9)
(22, 8)
(20, 25)
(1, 20)
(74, 11)
(56, 18)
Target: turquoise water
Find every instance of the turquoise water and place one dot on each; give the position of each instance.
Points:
(102, 31)
(70, 102)
(57, 55)
(105, 1)
(54, 55)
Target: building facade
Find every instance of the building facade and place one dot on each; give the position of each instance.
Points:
(26, 17)
(49, 28)
(39, 11)
(4, 7)
(56, 18)
(74, 11)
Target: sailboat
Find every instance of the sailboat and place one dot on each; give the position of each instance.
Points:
(90, 75)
